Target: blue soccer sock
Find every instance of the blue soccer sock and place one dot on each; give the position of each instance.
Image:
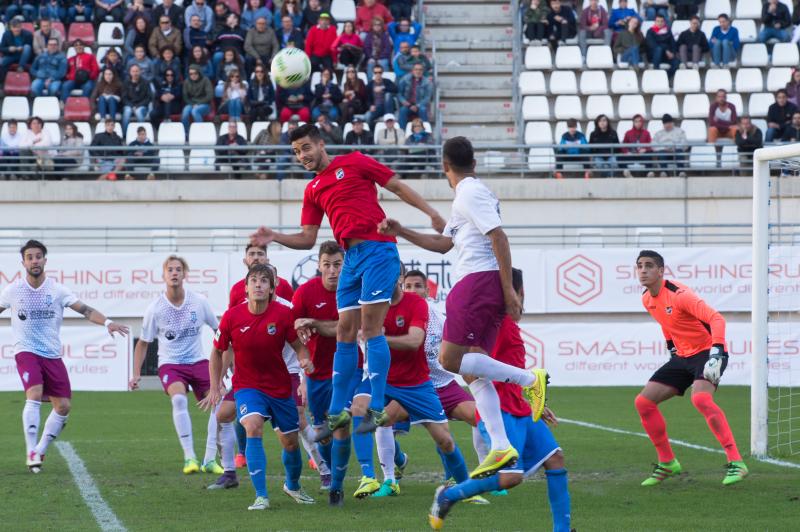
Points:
(472, 487)
(379, 359)
(398, 454)
(447, 473)
(241, 436)
(455, 464)
(558, 494)
(345, 364)
(340, 456)
(363, 444)
(292, 464)
(257, 465)
(325, 451)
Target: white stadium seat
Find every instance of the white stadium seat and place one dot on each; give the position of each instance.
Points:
(599, 57)
(760, 123)
(130, 134)
(598, 104)
(538, 133)
(86, 130)
(703, 157)
(686, 81)
(541, 159)
(625, 82)
(569, 57)
(785, 54)
(714, 8)
(532, 82)
(748, 9)
(538, 58)
(594, 82)
(778, 77)
(759, 104)
(568, 107)
(172, 160)
(749, 80)
(678, 27)
(204, 133)
(737, 101)
(654, 126)
(747, 30)
(202, 160)
(708, 26)
(46, 108)
(15, 107)
(696, 130)
(695, 105)
(788, 4)
(662, 104)
(535, 108)
(343, 10)
(258, 127)
(754, 55)
(729, 158)
(623, 126)
(54, 130)
(563, 82)
(718, 78)
(630, 105)
(655, 82)
(105, 32)
(171, 133)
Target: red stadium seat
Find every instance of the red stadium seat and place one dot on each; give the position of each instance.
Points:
(28, 26)
(233, 5)
(56, 25)
(78, 108)
(17, 84)
(81, 30)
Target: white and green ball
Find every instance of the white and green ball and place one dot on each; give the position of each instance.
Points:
(290, 68)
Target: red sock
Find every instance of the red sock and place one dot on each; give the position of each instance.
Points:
(718, 423)
(655, 426)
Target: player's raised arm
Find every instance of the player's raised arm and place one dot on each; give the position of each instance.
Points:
(95, 316)
(139, 354)
(413, 198)
(409, 341)
(437, 243)
(502, 251)
(305, 239)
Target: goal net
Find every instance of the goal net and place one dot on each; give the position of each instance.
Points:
(775, 391)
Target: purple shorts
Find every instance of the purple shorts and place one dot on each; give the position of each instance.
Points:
(298, 399)
(452, 395)
(229, 396)
(475, 309)
(194, 375)
(51, 373)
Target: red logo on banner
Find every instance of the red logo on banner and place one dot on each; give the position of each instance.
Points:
(579, 280)
(534, 350)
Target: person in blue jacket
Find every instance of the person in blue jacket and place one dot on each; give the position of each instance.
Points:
(404, 30)
(724, 42)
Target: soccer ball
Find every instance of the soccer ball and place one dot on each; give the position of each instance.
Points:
(305, 270)
(290, 68)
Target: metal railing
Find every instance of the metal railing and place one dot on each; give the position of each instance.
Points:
(437, 96)
(516, 51)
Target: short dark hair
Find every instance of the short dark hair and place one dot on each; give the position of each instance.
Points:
(723, 15)
(516, 279)
(572, 123)
(330, 247)
(416, 273)
(649, 253)
(458, 153)
(694, 17)
(141, 129)
(32, 244)
(306, 130)
(257, 269)
(251, 245)
(777, 92)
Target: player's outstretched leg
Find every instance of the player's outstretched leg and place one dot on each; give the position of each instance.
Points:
(384, 439)
(736, 469)
(345, 365)
(379, 360)
(31, 418)
(656, 428)
(210, 464)
(363, 447)
(502, 453)
(55, 423)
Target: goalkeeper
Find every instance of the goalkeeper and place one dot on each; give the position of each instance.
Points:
(695, 335)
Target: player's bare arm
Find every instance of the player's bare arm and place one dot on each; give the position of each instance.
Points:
(410, 341)
(97, 317)
(303, 356)
(413, 198)
(308, 326)
(139, 354)
(215, 369)
(437, 243)
(305, 239)
(502, 251)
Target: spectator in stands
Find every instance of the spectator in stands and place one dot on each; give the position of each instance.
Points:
(70, 156)
(358, 136)
(295, 101)
(108, 161)
(260, 94)
(197, 94)
(653, 8)
(618, 21)
(400, 61)
(327, 97)
(137, 9)
(48, 71)
(368, 12)
(403, 30)
(289, 35)
(311, 14)
(174, 12)
(254, 10)
(146, 156)
(234, 97)
(136, 97)
(380, 95)
(9, 148)
(291, 9)
(391, 135)
(414, 92)
(287, 159)
(354, 95)
(405, 64)
(629, 44)
(692, 40)
(348, 48)
(269, 136)
(137, 35)
(167, 61)
(52, 10)
(108, 8)
(194, 34)
(107, 95)
(593, 24)
(685, 9)
(20, 8)
(260, 44)
(401, 8)
(203, 12)
(562, 23)
(661, 47)
(231, 155)
(776, 23)
(230, 37)
(330, 132)
(724, 42)
(114, 61)
(572, 140)
(82, 71)
(779, 116)
(168, 100)
(33, 142)
(419, 151)
(792, 131)
(221, 13)
(721, 118)
(377, 47)
(748, 140)
(140, 59)
(43, 35)
(319, 40)
(230, 61)
(604, 159)
(793, 88)
(636, 157)
(671, 147)
(535, 19)
(16, 45)
(165, 35)
(79, 11)
(200, 59)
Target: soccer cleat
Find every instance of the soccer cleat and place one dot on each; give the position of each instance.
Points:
(299, 495)
(494, 462)
(312, 464)
(399, 470)
(34, 462)
(226, 481)
(388, 489)
(367, 487)
(191, 465)
(331, 424)
(662, 471)
(736, 471)
(325, 482)
(261, 503)
(213, 467)
(335, 498)
(240, 461)
(477, 499)
(372, 420)
(536, 393)
(439, 509)
(498, 493)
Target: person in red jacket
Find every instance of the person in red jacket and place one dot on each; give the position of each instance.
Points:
(82, 72)
(368, 11)
(319, 43)
(635, 156)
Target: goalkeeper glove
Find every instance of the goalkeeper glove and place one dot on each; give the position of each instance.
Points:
(671, 348)
(712, 371)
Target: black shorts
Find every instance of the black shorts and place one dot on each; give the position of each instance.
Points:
(681, 372)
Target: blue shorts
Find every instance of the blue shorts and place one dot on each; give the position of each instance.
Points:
(534, 442)
(401, 427)
(369, 274)
(318, 399)
(363, 386)
(281, 412)
(420, 401)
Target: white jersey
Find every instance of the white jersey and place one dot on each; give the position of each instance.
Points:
(289, 356)
(178, 328)
(433, 341)
(475, 212)
(36, 315)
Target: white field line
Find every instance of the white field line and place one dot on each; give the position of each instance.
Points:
(679, 443)
(106, 518)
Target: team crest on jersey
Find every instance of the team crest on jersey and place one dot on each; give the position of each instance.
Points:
(400, 321)
(243, 409)
(193, 316)
(668, 310)
(22, 315)
(217, 335)
(170, 335)
(48, 300)
(272, 329)
(340, 173)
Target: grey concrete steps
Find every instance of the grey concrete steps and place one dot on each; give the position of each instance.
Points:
(498, 119)
(475, 105)
(475, 57)
(500, 134)
(467, 45)
(453, 94)
(474, 32)
(474, 69)
(469, 81)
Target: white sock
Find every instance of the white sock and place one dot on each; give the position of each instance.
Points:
(481, 365)
(52, 428)
(227, 441)
(307, 436)
(183, 424)
(384, 439)
(488, 404)
(30, 423)
(211, 438)
(481, 449)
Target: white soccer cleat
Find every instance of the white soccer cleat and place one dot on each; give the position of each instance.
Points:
(299, 496)
(34, 462)
(261, 503)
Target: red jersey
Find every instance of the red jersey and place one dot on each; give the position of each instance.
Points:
(258, 341)
(510, 348)
(685, 319)
(345, 192)
(313, 300)
(238, 294)
(408, 368)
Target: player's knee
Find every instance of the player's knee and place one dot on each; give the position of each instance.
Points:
(290, 444)
(643, 404)
(450, 362)
(556, 461)
(446, 443)
(62, 408)
(509, 480)
(702, 401)
(179, 401)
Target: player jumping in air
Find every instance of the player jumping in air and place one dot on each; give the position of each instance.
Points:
(257, 332)
(695, 335)
(37, 309)
(482, 295)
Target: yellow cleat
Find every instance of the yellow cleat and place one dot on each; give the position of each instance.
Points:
(437, 523)
(191, 465)
(536, 393)
(477, 499)
(367, 487)
(213, 467)
(494, 462)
